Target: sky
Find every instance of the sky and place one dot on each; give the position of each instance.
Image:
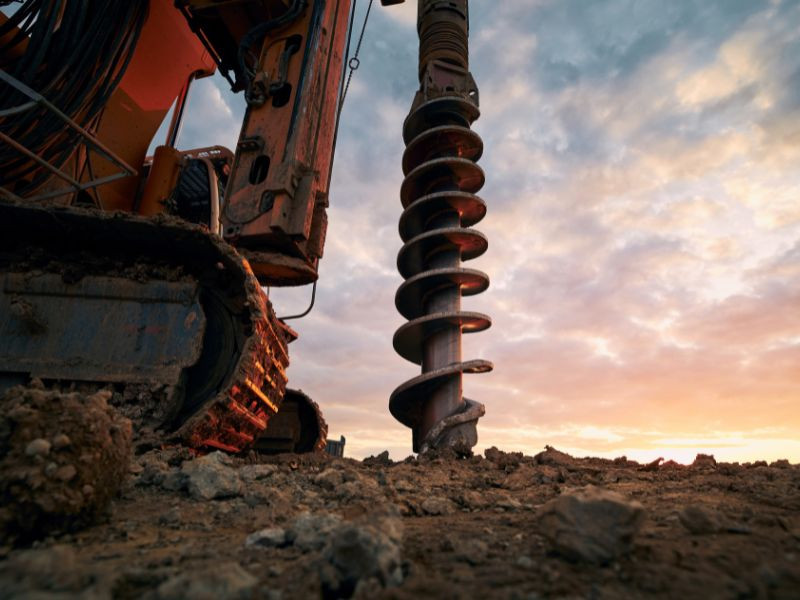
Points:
(644, 229)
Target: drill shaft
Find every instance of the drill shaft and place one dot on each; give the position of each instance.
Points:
(440, 202)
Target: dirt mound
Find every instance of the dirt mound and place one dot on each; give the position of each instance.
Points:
(63, 457)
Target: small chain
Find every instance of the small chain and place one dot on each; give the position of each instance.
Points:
(354, 62)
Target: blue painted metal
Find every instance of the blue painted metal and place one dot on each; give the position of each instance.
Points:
(99, 328)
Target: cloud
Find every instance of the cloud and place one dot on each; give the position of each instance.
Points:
(216, 115)
(643, 224)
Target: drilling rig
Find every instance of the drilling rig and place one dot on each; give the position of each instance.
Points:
(148, 272)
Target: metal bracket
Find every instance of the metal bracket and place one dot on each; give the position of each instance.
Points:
(444, 79)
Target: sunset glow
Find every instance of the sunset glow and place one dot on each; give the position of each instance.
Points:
(644, 230)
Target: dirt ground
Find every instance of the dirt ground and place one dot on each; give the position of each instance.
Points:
(495, 526)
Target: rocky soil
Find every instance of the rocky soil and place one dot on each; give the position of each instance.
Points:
(501, 525)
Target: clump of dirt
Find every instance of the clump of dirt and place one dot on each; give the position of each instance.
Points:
(63, 456)
(151, 409)
(501, 526)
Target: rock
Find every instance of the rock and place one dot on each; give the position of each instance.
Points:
(508, 503)
(360, 555)
(256, 472)
(699, 520)
(592, 525)
(524, 561)
(153, 469)
(404, 485)
(704, 461)
(380, 460)
(174, 480)
(653, 465)
(363, 554)
(66, 473)
(310, 531)
(503, 459)
(520, 479)
(365, 490)
(472, 499)
(226, 581)
(353, 475)
(553, 457)
(348, 485)
(611, 476)
(550, 474)
(175, 456)
(437, 506)
(329, 479)
(273, 537)
(211, 476)
(472, 551)
(38, 447)
(171, 518)
(61, 441)
(258, 497)
(54, 569)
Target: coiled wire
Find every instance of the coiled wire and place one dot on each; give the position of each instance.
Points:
(75, 54)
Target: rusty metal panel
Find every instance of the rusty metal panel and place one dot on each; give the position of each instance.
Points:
(278, 187)
(99, 328)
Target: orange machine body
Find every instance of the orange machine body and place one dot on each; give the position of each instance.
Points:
(276, 183)
(167, 54)
(277, 189)
(277, 193)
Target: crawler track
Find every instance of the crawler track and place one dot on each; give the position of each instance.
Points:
(108, 297)
(299, 427)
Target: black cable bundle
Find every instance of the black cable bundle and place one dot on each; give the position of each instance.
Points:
(256, 35)
(77, 52)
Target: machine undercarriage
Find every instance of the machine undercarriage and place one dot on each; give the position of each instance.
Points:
(125, 300)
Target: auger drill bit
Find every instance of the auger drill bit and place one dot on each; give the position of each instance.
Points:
(440, 204)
